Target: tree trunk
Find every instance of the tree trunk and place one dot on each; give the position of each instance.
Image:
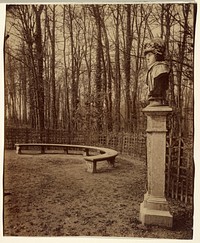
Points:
(98, 80)
(39, 61)
(66, 84)
(108, 69)
(182, 48)
(88, 61)
(74, 87)
(53, 60)
(117, 83)
(127, 66)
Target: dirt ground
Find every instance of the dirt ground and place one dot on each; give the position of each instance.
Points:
(53, 195)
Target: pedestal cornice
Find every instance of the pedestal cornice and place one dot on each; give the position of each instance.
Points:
(157, 110)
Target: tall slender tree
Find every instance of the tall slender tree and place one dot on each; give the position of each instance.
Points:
(127, 63)
(98, 72)
(39, 65)
(51, 32)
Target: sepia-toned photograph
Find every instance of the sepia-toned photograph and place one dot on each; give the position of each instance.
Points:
(99, 120)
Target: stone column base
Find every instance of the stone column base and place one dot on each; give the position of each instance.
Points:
(154, 211)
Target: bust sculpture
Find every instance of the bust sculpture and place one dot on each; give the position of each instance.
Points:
(157, 77)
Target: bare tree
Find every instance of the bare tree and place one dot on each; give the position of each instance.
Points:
(51, 32)
(117, 73)
(66, 114)
(98, 72)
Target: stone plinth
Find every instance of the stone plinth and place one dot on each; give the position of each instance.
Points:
(154, 209)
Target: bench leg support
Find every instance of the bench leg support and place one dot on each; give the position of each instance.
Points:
(86, 152)
(18, 150)
(66, 150)
(91, 166)
(42, 150)
(111, 162)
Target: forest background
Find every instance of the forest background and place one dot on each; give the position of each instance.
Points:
(81, 67)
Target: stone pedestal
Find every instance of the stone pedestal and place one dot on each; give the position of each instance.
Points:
(154, 209)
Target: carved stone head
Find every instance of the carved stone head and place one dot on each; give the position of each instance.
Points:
(157, 47)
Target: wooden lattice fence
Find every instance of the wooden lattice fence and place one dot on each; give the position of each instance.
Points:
(126, 143)
(133, 144)
(179, 170)
(27, 135)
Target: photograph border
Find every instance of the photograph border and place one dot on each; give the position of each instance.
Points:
(196, 236)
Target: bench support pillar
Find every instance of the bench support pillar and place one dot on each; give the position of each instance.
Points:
(18, 149)
(86, 152)
(42, 150)
(66, 150)
(111, 162)
(91, 166)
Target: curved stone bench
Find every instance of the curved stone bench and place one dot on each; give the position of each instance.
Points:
(91, 160)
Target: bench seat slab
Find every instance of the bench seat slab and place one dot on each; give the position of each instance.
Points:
(91, 161)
